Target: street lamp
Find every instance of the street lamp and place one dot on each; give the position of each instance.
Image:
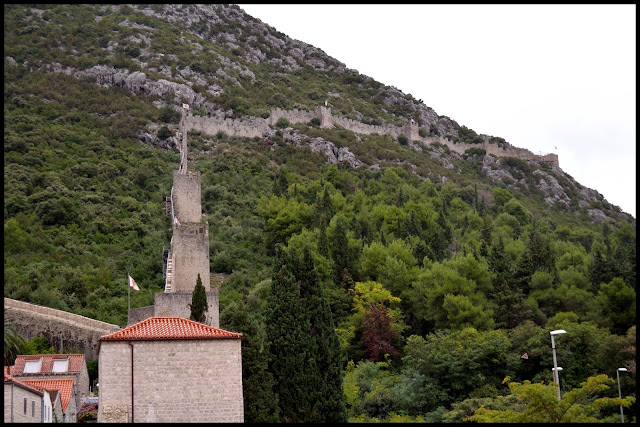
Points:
(619, 392)
(556, 375)
(556, 378)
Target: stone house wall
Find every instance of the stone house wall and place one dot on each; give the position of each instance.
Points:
(174, 381)
(19, 395)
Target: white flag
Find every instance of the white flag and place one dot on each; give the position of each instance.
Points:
(132, 284)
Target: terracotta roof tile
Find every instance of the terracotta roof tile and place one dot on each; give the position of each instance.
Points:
(31, 387)
(75, 362)
(169, 328)
(65, 387)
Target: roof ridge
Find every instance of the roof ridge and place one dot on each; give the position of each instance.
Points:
(168, 328)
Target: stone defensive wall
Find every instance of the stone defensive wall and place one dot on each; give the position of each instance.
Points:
(255, 126)
(59, 327)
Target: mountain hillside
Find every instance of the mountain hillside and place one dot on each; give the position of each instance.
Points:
(457, 237)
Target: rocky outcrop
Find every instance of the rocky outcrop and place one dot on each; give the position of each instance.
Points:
(553, 192)
(333, 154)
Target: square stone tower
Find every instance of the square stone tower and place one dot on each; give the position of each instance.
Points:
(188, 255)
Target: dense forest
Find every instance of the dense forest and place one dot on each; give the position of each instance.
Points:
(424, 279)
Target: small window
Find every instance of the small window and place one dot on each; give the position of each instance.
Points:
(60, 365)
(32, 366)
(25, 406)
(33, 408)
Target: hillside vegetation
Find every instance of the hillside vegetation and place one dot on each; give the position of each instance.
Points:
(440, 270)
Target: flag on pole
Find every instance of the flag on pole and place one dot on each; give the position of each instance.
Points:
(132, 284)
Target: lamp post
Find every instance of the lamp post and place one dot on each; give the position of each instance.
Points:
(556, 375)
(556, 378)
(619, 392)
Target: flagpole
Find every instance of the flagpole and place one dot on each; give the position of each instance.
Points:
(128, 291)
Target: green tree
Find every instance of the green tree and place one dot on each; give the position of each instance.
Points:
(305, 356)
(260, 401)
(324, 343)
(538, 403)
(199, 305)
(462, 361)
(619, 303)
(287, 333)
(13, 342)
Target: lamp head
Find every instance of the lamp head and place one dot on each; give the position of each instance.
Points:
(559, 369)
(558, 331)
(622, 369)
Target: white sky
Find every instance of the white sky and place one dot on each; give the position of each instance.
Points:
(540, 76)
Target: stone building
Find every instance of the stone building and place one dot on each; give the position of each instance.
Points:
(170, 369)
(25, 403)
(55, 367)
(65, 388)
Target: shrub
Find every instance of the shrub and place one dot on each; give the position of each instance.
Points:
(422, 132)
(282, 122)
(170, 115)
(88, 412)
(315, 121)
(164, 133)
(402, 139)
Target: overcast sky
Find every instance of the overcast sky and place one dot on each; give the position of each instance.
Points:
(540, 76)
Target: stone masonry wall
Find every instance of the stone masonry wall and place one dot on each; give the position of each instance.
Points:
(19, 394)
(190, 252)
(59, 327)
(186, 197)
(174, 381)
(176, 304)
(255, 126)
(139, 314)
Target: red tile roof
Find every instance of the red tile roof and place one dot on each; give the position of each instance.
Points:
(75, 362)
(168, 328)
(30, 387)
(64, 386)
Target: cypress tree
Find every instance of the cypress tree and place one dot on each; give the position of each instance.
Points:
(324, 344)
(199, 305)
(340, 252)
(305, 352)
(260, 401)
(287, 326)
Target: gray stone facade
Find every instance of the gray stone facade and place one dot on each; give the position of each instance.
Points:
(173, 381)
(22, 405)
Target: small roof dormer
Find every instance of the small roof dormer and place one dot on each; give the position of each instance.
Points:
(33, 366)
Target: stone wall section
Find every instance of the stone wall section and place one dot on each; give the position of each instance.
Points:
(174, 381)
(59, 327)
(256, 126)
(176, 304)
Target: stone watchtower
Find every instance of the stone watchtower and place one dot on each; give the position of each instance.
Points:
(410, 129)
(188, 255)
